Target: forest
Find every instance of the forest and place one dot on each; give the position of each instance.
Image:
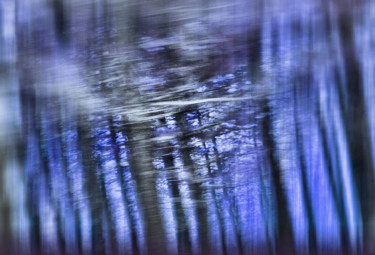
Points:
(187, 127)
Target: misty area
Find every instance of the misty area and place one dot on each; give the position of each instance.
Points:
(204, 127)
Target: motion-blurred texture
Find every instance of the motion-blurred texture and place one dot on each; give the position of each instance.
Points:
(187, 127)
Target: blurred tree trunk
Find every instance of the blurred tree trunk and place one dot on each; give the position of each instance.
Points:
(61, 21)
(28, 99)
(140, 160)
(336, 186)
(92, 185)
(307, 198)
(183, 238)
(6, 242)
(233, 209)
(5, 145)
(69, 185)
(219, 206)
(197, 192)
(109, 215)
(265, 200)
(357, 123)
(124, 191)
(182, 228)
(284, 230)
(13, 185)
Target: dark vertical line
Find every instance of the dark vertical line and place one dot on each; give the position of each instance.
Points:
(140, 160)
(64, 154)
(218, 208)
(284, 236)
(307, 199)
(357, 124)
(108, 213)
(336, 187)
(265, 203)
(183, 240)
(120, 170)
(195, 187)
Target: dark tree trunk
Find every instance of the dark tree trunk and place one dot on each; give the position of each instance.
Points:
(197, 191)
(357, 125)
(284, 231)
(233, 212)
(140, 159)
(183, 238)
(307, 198)
(336, 186)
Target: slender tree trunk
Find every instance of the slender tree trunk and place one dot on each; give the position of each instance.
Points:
(264, 198)
(46, 148)
(218, 206)
(232, 206)
(140, 159)
(11, 166)
(284, 234)
(92, 186)
(75, 208)
(307, 199)
(357, 125)
(195, 188)
(183, 237)
(125, 196)
(336, 186)
(5, 208)
(28, 100)
(109, 215)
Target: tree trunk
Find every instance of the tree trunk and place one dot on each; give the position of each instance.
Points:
(92, 186)
(183, 238)
(307, 198)
(124, 192)
(140, 159)
(284, 234)
(357, 126)
(197, 192)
